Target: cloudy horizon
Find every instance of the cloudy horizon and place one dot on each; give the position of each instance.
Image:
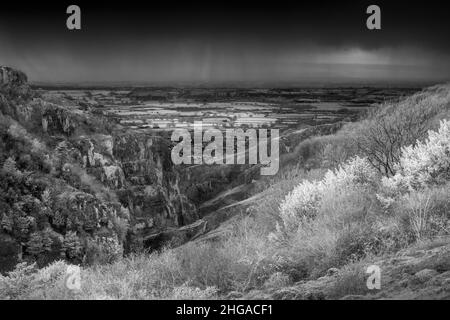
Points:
(291, 43)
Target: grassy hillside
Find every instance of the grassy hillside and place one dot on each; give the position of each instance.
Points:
(375, 188)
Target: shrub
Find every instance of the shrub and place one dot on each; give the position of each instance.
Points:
(72, 246)
(202, 263)
(10, 168)
(272, 191)
(17, 283)
(39, 243)
(28, 282)
(340, 232)
(327, 151)
(49, 282)
(102, 250)
(427, 163)
(425, 213)
(359, 242)
(351, 280)
(303, 203)
(278, 280)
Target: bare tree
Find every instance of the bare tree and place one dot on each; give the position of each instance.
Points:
(393, 126)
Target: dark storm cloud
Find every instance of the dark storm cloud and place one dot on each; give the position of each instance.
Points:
(214, 42)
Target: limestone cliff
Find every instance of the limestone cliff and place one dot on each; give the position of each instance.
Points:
(76, 186)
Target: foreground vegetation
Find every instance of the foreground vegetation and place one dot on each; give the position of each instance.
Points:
(375, 187)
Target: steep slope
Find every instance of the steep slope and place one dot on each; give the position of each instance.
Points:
(420, 272)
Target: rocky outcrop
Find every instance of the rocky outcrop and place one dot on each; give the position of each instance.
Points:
(13, 84)
(13, 77)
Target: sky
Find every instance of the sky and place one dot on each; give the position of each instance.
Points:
(228, 42)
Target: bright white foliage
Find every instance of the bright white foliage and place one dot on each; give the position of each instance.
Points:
(305, 200)
(301, 202)
(427, 163)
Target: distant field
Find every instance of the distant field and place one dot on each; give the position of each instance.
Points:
(162, 109)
